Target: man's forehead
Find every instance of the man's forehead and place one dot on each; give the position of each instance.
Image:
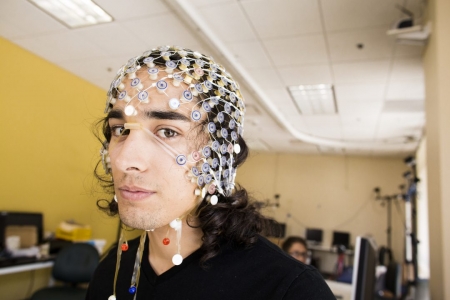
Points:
(148, 113)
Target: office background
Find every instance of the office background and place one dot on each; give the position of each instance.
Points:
(48, 154)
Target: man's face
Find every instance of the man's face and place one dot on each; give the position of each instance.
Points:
(152, 189)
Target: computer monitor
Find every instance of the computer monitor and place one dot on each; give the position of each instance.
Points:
(8, 218)
(341, 238)
(314, 236)
(364, 265)
(275, 229)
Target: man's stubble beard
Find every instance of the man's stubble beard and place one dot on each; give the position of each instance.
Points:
(139, 218)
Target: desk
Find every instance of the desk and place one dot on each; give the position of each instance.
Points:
(26, 267)
(342, 291)
(327, 258)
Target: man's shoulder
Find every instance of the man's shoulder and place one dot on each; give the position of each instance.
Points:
(263, 254)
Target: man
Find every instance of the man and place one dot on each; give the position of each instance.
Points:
(173, 143)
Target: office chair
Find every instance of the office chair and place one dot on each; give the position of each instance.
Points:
(75, 264)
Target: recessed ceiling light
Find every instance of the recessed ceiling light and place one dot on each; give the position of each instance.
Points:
(317, 99)
(74, 13)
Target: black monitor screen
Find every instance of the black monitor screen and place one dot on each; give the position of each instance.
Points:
(275, 229)
(364, 264)
(314, 235)
(341, 238)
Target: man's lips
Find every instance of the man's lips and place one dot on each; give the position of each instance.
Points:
(134, 193)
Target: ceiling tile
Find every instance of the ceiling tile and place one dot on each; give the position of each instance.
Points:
(362, 71)
(322, 121)
(352, 14)
(108, 37)
(9, 30)
(330, 132)
(273, 20)
(158, 35)
(125, 10)
(297, 50)
(406, 90)
(199, 3)
(359, 108)
(359, 121)
(360, 92)
(407, 68)
(64, 46)
(358, 133)
(250, 54)
(374, 42)
(402, 120)
(27, 19)
(408, 50)
(266, 78)
(101, 70)
(306, 74)
(219, 19)
(281, 98)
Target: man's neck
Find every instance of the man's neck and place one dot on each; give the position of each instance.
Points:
(160, 255)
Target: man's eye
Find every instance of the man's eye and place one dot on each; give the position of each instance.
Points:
(166, 133)
(119, 130)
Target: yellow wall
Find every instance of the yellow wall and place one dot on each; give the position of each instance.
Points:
(47, 151)
(437, 75)
(328, 192)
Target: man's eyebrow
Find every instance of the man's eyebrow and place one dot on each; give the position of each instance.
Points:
(166, 115)
(115, 114)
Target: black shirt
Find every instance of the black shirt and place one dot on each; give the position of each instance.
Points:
(262, 271)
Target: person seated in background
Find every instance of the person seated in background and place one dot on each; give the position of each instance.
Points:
(296, 247)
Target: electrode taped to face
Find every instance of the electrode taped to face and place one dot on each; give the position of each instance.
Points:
(219, 105)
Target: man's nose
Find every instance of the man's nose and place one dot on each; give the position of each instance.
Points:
(134, 153)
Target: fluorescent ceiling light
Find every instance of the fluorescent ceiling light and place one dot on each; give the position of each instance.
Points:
(315, 99)
(74, 13)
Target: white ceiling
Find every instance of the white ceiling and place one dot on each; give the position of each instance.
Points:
(379, 89)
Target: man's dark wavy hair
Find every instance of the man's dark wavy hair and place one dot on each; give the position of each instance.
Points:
(235, 218)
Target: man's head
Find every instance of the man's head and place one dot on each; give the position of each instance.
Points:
(173, 135)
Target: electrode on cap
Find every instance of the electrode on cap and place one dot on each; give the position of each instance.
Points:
(165, 55)
(199, 71)
(153, 72)
(187, 96)
(214, 200)
(161, 86)
(136, 83)
(143, 96)
(177, 79)
(196, 155)
(174, 103)
(149, 62)
(130, 110)
(196, 115)
(131, 72)
(188, 79)
(170, 66)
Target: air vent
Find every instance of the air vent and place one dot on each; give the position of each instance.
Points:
(74, 13)
(315, 99)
